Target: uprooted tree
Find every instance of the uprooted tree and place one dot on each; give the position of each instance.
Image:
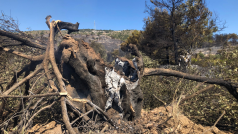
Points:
(80, 78)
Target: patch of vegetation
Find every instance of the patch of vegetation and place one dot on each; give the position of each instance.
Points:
(121, 35)
(205, 108)
(99, 48)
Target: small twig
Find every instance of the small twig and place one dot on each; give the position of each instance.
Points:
(105, 128)
(13, 116)
(196, 93)
(160, 100)
(165, 121)
(219, 119)
(37, 103)
(81, 116)
(176, 90)
(215, 122)
(46, 107)
(95, 118)
(197, 86)
(36, 81)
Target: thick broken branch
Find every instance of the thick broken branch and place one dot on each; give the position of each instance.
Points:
(23, 81)
(25, 41)
(59, 79)
(66, 25)
(62, 25)
(47, 72)
(52, 59)
(32, 58)
(31, 96)
(168, 72)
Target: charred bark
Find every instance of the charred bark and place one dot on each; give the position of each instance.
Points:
(167, 72)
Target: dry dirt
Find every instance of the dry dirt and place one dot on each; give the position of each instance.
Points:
(160, 120)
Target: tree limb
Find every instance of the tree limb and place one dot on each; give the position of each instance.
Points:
(25, 41)
(31, 96)
(169, 72)
(65, 116)
(196, 93)
(32, 58)
(59, 79)
(23, 81)
(52, 59)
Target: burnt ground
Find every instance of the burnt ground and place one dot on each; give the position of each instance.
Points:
(157, 121)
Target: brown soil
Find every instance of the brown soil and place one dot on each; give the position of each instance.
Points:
(157, 121)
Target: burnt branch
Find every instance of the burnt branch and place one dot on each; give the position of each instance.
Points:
(31, 96)
(24, 40)
(47, 72)
(65, 115)
(168, 72)
(23, 81)
(32, 58)
(66, 25)
(32, 117)
(81, 116)
(52, 59)
(98, 109)
(59, 78)
(196, 93)
(58, 25)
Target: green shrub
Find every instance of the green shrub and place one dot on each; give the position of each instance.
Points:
(201, 55)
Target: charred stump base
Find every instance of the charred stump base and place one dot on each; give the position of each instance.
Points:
(84, 73)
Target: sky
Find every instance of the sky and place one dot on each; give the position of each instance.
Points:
(107, 14)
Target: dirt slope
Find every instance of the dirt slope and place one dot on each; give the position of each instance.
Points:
(157, 121)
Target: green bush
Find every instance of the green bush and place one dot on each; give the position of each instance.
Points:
(201, 55)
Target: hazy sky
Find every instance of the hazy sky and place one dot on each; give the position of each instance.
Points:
(108, 14)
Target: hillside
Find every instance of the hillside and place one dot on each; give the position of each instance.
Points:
(108, 38)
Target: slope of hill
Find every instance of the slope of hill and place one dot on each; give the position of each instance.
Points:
(108, 38)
